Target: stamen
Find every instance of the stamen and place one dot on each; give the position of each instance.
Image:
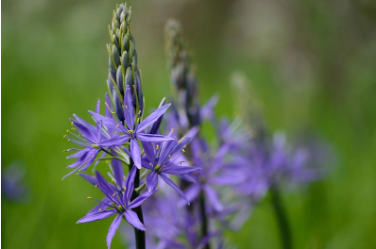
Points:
(117, 126)
(126, 106)
(179, 142)
(96, 186)
(172, 130)
(96, 146)
(114, 194)
(72, 123)
(157, 146)
(183, 150)
(130, 131)
(100, 209)
(65, 136)
(169, 156)
(138, 120)
(89, 198)
(125, 189)
(139, 112)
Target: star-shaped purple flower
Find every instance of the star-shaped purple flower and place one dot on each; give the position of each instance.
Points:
(133, 129)
(165, 159)
(117, 201)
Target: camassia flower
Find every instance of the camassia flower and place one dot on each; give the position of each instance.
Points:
(165, 159)
(133, 128)
(117, 202)
(92, 139)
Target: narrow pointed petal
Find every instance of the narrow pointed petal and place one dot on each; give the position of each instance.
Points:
(178, 170)
(118, 172)
(152, 180)
(136, 153)
(153, 138)
(89, 178)
(132, 218)
(139, 200)
(149, 151)
(174, 186)
(149, 120)
(100, 215)
(129, 183)
(113, 228)
(115, 141)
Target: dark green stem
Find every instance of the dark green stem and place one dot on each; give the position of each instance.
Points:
(139, 235)
(204, 221)
(284, 228)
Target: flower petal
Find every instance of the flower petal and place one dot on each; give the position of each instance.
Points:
(153, 138)
(128, 108)
(178, 170)
(174, 186)
(149, 120)
(96, 216)
(111, 232)
(132, 218)
(139, 200)
(135, 153)
(213, 197)
(151, 180)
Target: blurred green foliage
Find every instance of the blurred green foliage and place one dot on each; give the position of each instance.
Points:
(311, 64)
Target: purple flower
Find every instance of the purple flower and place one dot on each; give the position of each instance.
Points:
(165, 159)
(133, 129)
(92, 138)
(116, 202)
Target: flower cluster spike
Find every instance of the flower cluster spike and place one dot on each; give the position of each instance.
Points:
(183, 75)
(123, 70)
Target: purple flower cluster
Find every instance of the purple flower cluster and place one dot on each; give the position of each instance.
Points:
(179, 187)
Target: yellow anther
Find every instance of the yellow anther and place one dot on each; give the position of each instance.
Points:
(120, 207)
(96, 146)
(125, 188)
(157, 146)
(89, 198)
(139, 112)
(117, 126)
(169, 156)
(130, 131)
(65, 136)
(138, 120)
(126, 106)
(73, 129)
(112, 180)
(114, 194)
(100, 209)
(96, 186)
(183, 150)
(179, 142)
(68, 140)
(72, 123)
(67, 131)
(172, 130)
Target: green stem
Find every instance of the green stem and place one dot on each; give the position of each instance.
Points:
(139, 235)
(280, 212)
(204, 221)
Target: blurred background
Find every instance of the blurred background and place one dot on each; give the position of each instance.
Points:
(310, 63)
